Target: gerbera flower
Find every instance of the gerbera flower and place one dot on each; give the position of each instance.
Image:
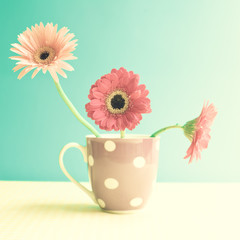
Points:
(197, 131)
(117, 101)
(44, 48)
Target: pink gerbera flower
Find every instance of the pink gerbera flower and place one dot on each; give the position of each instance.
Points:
(197, 131)
(117, 101)
(44, 48)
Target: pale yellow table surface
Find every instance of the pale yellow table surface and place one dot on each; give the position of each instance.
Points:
(59, 210)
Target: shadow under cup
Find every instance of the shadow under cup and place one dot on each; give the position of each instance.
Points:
(122, 171)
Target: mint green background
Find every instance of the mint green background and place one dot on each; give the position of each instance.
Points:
(184, 51)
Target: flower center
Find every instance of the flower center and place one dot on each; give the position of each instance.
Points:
(44, 55)
(117, 102)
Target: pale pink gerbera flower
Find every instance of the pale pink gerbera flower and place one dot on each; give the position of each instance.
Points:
(117, 101)
(44, 48)
(197, 131)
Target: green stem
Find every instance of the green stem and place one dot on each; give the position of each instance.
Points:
(74, 110)
(164, 129)
(122, 133)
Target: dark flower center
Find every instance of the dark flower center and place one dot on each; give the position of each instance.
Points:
(44, 55)
(117, 102)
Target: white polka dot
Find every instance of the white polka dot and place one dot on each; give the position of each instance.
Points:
(139, 162)
(135, 202)
(110, 146)
(111, 183)
(101, 203)
(91, 160)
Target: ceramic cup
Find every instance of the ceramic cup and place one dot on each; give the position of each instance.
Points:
(122, 171)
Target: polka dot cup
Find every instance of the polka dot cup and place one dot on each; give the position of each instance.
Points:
(122, 171)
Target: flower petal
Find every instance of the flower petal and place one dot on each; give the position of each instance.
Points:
(19, 66)
(98, 115)
(65, 66)
(25, 71)
(61, 72)
(54, 75)
(35, 72)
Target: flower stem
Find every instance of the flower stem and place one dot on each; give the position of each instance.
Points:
(122, 133)
(164, 129)
(74, 110)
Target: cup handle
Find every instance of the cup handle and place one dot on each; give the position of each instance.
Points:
(84, 153)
